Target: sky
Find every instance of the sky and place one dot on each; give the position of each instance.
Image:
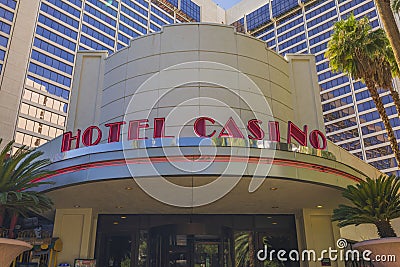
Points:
(225, 4)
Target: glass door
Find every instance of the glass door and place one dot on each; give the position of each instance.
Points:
(173, 246)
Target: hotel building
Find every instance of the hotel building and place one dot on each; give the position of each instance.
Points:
(39, 41)
(182, 149)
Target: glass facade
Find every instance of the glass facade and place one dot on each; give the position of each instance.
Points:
(64, 27)
(351, 119)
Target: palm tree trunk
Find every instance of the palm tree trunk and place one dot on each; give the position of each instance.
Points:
(385, 229)
(389, 23)
(396, 98)
(251, 250)
(2, 215)
(13, 223)
(382, 113)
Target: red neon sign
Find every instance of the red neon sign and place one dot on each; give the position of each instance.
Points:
(93, 134)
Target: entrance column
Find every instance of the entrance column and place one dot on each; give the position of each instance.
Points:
(321, 234)
(76, 229)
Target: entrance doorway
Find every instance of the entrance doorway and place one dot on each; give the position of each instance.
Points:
(193, 240)
(191, 245)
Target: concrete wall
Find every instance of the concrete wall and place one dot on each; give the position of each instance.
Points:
(243, 8)
(77, 230)
(185, 72)
(15, 65)
(87, 90)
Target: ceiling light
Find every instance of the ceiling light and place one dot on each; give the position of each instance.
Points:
(77, 206)
(274, 223)
(273, 188)
(319, 206)
(128, 188)
(115, 223)
(269, 217)
(118, 207)
(123, 217)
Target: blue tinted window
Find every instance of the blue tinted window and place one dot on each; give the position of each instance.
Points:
(64, 6)
(53, 50)
(4, 27)
(335, 93)
(280, 7)
(325, 5)
(173, 2)
(334, 82)
(316, 20)
(132, 14)
(2, 54)
(98, 25)
(51, 88)
(291, 42)
(55, 38)
(61, 16)
(258, 18)
(289, 25)
(94, 45)
(105, 7)
(9, 3)
(3, 41)
(135, 7)
(337, 103)
(162, 14)
(77, 3)
(133, 24)
(191, 9)
(291, 33)
(156, 20)
(45, 59)
(99, 36)
(46, 73)
(58, 27)
(120, 46)
(6, 14)
(127, 31)
(297, 48)
(154, 27)
(123, 38)
(100, 15)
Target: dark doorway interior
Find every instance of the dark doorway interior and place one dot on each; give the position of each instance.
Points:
(192, 240)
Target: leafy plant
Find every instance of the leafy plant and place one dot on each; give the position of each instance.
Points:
(365, 54)
(375, 201)
(19, 174)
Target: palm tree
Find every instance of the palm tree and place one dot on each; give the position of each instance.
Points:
(384, 8)
(245, 253)
(374, 202)
(355, 50)
(395, 5)
(386, 67)
(19, 174)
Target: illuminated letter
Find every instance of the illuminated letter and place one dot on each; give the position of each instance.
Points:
(115, 131)
(254, 128)
(273, 131)
(159, 128)
(232, 130)
(298, 135)
(67, 139)
(134, 126)
(87, 136)
(315, 140)
(200, 127)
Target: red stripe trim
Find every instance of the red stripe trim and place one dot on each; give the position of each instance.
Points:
(252, 160)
